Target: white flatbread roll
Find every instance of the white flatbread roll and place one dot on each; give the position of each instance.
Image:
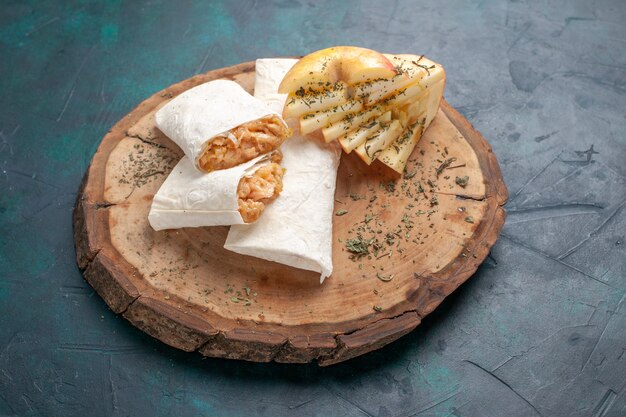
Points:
(190, 198)
(200, 115)
(296, 229)
(269, 74)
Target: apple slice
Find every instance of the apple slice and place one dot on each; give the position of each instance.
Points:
(426, 103)
(312, 121)
(397, 154)
(354, 138)
(410, 93)
(336, 94)
(400, 114)
(413, 110)
(434, 100)
(350, 122)
(374, 91)
(415, 74)
(350, 64)
(373, 145)
(420, 114)
(418, 68)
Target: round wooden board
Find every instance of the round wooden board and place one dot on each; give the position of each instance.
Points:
(183, 288)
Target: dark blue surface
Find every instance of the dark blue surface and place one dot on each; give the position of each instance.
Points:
(539, 330)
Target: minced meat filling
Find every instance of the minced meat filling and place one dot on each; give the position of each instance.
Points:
(259, 189)
(253, 139)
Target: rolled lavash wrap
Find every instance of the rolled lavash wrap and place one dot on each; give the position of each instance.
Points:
(296, 229)
(190, 198)
(219, 125)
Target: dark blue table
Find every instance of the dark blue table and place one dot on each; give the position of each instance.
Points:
(540, 330)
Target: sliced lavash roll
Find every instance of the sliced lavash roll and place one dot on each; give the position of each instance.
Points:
(219, 125)
(238, 195)
(296, 229)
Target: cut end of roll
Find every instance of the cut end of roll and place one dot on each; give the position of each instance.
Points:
(251, 140)
(259, 189)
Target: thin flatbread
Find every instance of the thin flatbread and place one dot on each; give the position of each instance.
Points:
(190, 198)
(296, 229)
(199, 115)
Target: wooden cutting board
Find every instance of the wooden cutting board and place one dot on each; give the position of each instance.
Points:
(427, 232)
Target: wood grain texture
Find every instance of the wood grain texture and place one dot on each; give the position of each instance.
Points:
(183, 288)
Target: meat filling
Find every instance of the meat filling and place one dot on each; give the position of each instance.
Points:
(259, 189)
(250, 140)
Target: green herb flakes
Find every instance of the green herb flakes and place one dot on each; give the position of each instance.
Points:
(358, 246)
(462, 181)
(409, 175)
(445, 164)
(389, 185)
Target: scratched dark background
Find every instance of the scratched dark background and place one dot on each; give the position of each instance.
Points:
(540, 330)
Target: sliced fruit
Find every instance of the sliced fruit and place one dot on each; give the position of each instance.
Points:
(375, 104)
(415, 90)
(373, 145)
(420, 114)
(307, 102)
(416, 109)
(350, 122)
(354, 138)
(397, 155)
(418, 68)
(350, 64)
(410, 93)
(414, 74)
(434, 100)
(386, 117)
(400, 114)
(312, 121)
(374, 91)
